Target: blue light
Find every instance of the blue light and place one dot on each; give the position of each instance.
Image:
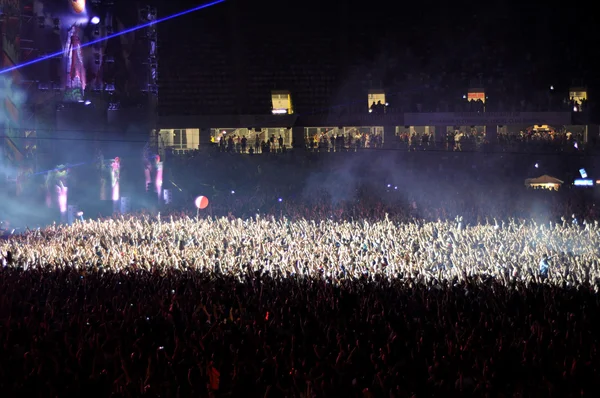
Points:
(91, 43)
(280, 200)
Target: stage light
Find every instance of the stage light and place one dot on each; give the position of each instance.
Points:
(88, 102)
(95, 20)
(91, 43)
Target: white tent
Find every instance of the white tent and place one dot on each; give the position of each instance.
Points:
(544, 182)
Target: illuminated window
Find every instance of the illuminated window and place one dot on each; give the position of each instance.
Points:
(180, 139)
(476, 94)
(376, 98)
(281, 103)
(578, 94)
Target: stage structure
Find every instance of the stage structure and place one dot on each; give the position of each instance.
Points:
(148, 15)
(111, 74)
(87, 100)
(75, 70)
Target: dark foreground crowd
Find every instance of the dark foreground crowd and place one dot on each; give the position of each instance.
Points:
(66, 333)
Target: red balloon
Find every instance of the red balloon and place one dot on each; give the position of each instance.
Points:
(201, 202)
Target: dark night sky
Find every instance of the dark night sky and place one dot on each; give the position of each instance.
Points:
(245, 41)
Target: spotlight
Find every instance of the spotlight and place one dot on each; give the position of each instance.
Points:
(87, 102)
(280, 200)
(95, 20)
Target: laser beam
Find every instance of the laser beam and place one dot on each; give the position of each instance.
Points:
(91, 43)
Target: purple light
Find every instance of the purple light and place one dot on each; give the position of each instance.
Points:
(95, 20)
(62, 191)
(280, 200)
(115, 177)
(159, 178)
(91, 43)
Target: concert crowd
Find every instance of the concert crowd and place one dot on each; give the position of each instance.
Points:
(337, 289)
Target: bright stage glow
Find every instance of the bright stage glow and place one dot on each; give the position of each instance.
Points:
(62, 193)
(78, 6)
(115, 174)
(91, 43)
(95, 20)
(159, 178)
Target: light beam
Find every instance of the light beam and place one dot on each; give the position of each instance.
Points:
(91, 43)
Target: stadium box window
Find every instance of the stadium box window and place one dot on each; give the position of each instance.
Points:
(255, 138)
(180, 139)
(376, 98)
(476, 94)
(281, 103)
(578, 95)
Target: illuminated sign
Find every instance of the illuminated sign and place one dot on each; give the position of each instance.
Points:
(580, 182)
(583, 173)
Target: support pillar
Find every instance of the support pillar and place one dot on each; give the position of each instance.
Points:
(298, 138)
(439, 136)
(389, 137)
(491, 134)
